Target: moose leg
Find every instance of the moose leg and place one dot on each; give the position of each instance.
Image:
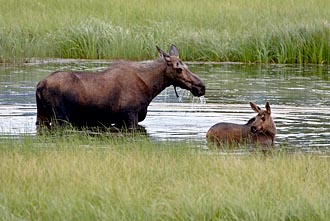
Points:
(59, 116)
(132, 121)
(42, 121)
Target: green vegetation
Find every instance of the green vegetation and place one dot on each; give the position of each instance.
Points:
(283, 31)
(83, 177)
(80, 177)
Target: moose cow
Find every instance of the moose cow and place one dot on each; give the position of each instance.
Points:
(119, 95)
(260, 129)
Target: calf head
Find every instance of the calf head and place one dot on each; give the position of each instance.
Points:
(179, 74)
(263, 122)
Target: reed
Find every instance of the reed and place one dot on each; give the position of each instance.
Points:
(80, 177)
(248, 31)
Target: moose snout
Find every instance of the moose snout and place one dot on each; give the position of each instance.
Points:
(198, 90)
(254, 129)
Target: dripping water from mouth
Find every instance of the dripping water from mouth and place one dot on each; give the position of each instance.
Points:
(186, 96)
(199, 100)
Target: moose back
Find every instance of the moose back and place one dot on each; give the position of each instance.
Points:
(119, 95)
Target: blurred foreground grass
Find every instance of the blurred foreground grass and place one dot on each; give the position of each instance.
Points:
(82, 177)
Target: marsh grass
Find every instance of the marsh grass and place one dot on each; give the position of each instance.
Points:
(248, 31)
(82, 177)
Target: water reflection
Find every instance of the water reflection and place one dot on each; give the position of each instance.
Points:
(299, 97)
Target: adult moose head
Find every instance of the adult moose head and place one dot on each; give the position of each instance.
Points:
(119, 95)
(260, 129)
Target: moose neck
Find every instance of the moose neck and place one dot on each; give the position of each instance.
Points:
(154, 76)
(246, 128)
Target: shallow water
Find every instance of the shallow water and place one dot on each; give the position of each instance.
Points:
(299, 97)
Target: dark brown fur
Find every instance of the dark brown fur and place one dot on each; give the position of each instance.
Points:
(117, 96)
(260, 129)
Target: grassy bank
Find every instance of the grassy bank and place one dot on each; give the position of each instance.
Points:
(89, 178)
(250, 31)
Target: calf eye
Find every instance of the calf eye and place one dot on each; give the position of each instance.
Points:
(179, 70)
(263, 118)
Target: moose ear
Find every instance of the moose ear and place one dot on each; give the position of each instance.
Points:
(255, 107)
(174, 51)
(268, 108)
(163, 54)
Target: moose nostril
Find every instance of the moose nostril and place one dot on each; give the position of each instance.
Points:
(203, 89)
(198, 90)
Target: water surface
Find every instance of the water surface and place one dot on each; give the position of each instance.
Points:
(299, 97)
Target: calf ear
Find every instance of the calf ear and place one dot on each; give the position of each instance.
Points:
(163, 54)
(174, 51)
(255, 107)
(268, 108)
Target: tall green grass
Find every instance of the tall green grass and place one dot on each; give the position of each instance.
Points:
(282, 31)
(81, 177)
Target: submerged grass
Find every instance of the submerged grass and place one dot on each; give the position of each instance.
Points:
(250, 31)
(81, 177)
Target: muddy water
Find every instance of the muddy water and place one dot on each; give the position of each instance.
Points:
(299, 97)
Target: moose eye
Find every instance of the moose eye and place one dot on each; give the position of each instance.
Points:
(179, 70)
(263, 118)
